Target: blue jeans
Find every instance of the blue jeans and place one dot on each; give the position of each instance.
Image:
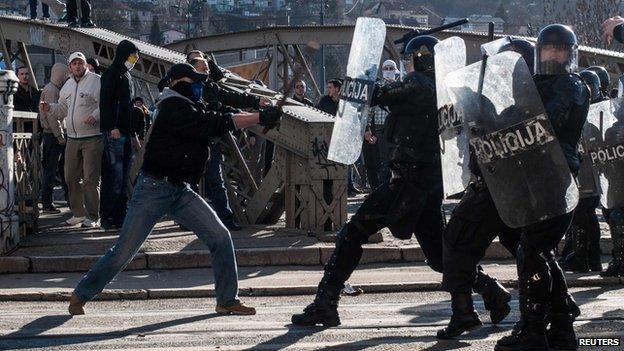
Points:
(116, 162)
(151, 200)
(51, 159)
(33, 9)
(215, 187)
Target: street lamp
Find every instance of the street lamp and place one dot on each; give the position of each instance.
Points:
(178, 7)
(322, 14)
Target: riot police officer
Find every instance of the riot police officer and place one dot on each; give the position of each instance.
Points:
(470, 231)
(581, 252)
(605, 79)
(542, 285)
(410, 203)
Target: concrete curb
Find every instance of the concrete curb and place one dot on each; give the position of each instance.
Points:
(281, 256)
(276, 256)
(152, 294)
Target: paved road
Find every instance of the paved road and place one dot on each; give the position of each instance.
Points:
(398, 321)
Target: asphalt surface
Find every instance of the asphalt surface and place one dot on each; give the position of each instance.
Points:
(397, 321)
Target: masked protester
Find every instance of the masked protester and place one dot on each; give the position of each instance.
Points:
(116, 126)
(376, 148)
(175, 157)
(218, 99)
(410, 203)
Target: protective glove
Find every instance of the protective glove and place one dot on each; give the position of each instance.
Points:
(270, 117)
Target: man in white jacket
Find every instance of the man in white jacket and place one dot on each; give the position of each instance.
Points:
(78, 104)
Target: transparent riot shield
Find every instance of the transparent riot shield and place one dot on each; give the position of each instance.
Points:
(357, 90)
(605, 147)
(450, 55)
(514, 143)
(587, 178)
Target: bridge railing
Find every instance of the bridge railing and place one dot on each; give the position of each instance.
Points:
(27, 169)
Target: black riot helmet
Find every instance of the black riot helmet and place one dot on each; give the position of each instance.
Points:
(603, 74)
(556, 51)
(526, 49)
(419, 53)
(593, 81)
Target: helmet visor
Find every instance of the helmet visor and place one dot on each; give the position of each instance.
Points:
(556, 58)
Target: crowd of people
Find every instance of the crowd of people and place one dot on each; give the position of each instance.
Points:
(94, 125)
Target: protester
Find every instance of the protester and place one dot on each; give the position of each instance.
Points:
(300, 93)
(94, 65)
(119, 136)
(27, 97)
(329, 103)
(53, 139)
(78, 105)
(175, 157)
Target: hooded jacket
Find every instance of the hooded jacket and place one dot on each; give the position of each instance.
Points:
(117, 92)
(50, 94)
(77, 102)
(178, 144)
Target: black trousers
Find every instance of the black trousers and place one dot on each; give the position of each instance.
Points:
(470, 231)
(72, 10)
(539, 276)
(408, 205)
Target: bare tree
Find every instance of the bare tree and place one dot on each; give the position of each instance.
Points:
(585, 16)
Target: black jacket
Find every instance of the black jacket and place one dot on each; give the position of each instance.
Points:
(328, 105)
(139, 124)
(116, 92)
(26, 100)
(218, 98)
(412, 123)
(182, 131)
(566, 100)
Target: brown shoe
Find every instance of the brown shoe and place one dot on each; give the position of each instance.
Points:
(238, 308)
(76, 306)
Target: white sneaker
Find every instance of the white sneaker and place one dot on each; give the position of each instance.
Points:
(87, 223)
(74, 220)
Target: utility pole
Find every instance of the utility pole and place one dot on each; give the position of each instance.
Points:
(322, 13)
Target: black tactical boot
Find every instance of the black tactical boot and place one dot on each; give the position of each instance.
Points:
(533, 296)
(464, 317)
(577, 260)
(594, 252)
(616, 266)
(495, 297)
(344, 259)
(614, 269)
(530, 336)
(324, 311)
(573, 308)
(561, 334)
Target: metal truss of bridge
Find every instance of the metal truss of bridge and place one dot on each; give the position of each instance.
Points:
(301, 182)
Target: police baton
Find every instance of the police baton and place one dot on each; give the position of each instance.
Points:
(415, 33)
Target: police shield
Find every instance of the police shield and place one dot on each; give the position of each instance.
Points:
(357, 89)
(588, 178)
(605, 147)
(450, 55)
(514, 143)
